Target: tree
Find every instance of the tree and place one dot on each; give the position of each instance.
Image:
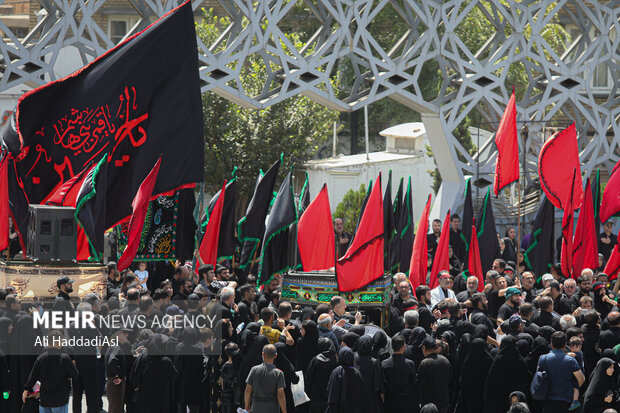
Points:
(349, 208)
(254, 139)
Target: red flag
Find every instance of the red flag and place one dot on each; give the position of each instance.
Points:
(4, 202)
(315, 234)
(610, 204)
(419, 256)
(442, 258)
(474, 265)
(140, 206)
(556, 161)
(507, 162)
(566, 256)
(208, 246)
(613, 264)
(585, 248)
(363, 261)
(66, 195)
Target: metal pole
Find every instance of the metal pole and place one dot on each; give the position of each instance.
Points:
(335, 142)
(478, 164)
(366, 130)
(522, 185)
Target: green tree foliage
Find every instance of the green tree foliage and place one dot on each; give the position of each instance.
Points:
(349, 208)
(254, 139)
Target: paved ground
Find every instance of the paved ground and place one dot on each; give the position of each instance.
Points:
(104, 399)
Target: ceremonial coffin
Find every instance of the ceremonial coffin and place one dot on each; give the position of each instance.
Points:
(314, 288)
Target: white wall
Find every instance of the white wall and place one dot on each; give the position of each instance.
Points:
(339, 182)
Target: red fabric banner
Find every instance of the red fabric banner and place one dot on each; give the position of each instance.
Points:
(419, 257)
(474, 265)
(610, 205)
(507, 162)
(315, 234)
(363, 261)
(140, 207)
(442, 255)
(566, 256)
(585, 244)
(4, 202)
(67, 195)
(558, 158)
(208, 246)
(613, 263)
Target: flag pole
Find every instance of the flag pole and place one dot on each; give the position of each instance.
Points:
(524, 136)
(254, 258)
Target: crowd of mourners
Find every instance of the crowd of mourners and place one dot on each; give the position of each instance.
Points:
(455, 348)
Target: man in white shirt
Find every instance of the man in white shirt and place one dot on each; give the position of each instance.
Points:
(444, 290)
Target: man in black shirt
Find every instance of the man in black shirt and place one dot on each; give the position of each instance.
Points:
(585, 284)
(400, 379)
(63, 301)
(246, 305)
(607, 240)
(456, 238)
(343, 238)
(433, 239)
(52, 369)
(433, 378)
(423, 294)
(511, 306)
(546, 317)
(561, 303)
(479, 314)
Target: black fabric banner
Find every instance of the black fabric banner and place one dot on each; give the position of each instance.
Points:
(137, 101)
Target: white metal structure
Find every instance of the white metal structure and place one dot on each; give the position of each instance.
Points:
(569, 83)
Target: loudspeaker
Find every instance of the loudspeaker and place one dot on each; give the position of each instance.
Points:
(52, 234)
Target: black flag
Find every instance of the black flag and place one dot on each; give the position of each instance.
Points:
(304, 202)
(487, 234)
(468, 220)
(406, 230)
(137, 101)
(251, 227)
(226, 241)
(539, 253)
(388, 222)
(395, 240)
(91, 206)
(274, 254)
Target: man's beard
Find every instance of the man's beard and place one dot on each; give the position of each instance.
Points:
(69, 289)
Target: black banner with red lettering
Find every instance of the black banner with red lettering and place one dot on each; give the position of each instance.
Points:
(139, 100)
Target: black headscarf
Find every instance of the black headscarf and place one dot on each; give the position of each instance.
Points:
(600, 385)
(524, 344)
(345, 385)
(379, 343)
(539, 348)
(519, 395)
(415, 343)
(473, 375)
(509, 372)
(350, 339)
(481, 331)
(283, 363)
(326, 349)
(246, 338)
(372, 376)
(546, 331)
(5, 323)
(254, 356)
(359, 330)
(307, 345)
